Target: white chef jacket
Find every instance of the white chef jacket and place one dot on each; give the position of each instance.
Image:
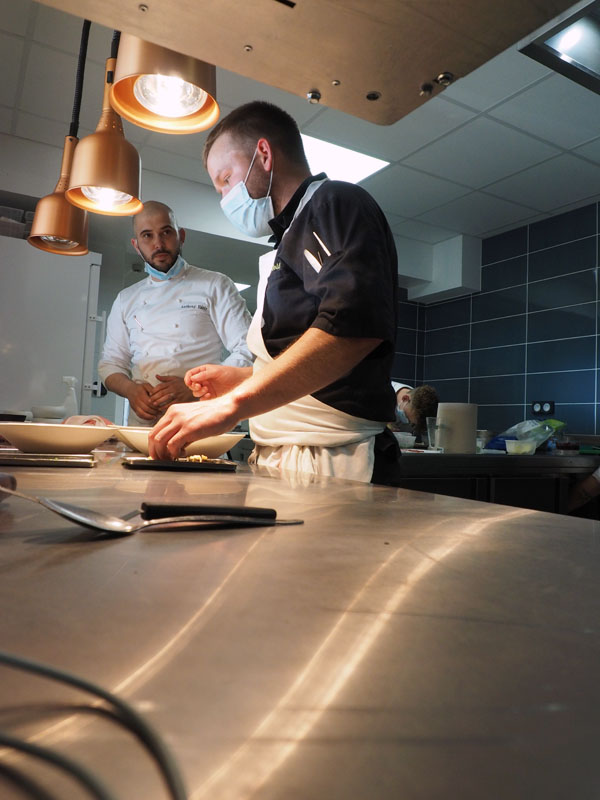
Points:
(167, 327)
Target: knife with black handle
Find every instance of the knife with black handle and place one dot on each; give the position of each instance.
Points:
(159, 510)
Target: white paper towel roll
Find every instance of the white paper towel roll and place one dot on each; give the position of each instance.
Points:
(457, 427)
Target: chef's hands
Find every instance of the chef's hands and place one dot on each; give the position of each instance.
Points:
(217, 413)
(139, 396)
(184, 423)
(169, 390)
(214, 380)
(146, 400)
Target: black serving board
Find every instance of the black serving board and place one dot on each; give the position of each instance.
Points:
(209, 465)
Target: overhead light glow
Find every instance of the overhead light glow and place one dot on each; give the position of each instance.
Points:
(104, 198)
(569, 39)
(338, 162)
(571, 47)
(161, 90)
(168, 96)
(241, 286)
(58, 242)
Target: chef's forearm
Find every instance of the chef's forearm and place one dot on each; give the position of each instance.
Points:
(119, 383)
(312, 362)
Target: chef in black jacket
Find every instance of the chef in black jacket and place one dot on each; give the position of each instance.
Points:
(319, 394)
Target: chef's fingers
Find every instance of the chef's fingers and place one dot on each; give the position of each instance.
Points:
(202, 374)
(200, 390)
(144, 410)
(157, 448)
(160, 436)
(173, 392)
(140, 402)
(165, 395)
(166, 447)
(194, 374)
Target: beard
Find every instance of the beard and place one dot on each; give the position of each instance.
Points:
(162, 265)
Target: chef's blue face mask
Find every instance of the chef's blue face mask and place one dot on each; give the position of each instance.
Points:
(170, 273)
(401, 415)
(250, 215)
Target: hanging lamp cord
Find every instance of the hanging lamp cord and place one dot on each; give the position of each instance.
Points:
(85, 33)
(114, 49)
(114, 45)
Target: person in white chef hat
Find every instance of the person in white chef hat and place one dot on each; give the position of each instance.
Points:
(319, 395)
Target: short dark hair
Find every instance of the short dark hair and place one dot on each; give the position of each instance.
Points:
(252, 121)
(424, 401)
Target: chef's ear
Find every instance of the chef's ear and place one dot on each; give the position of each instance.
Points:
(181, 235)
(134, 244)
(264, 154)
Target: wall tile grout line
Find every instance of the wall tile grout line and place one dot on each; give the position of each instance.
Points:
(596, 347)
(525, 382)
(470, 352)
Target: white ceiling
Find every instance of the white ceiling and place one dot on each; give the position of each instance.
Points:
(510, 143)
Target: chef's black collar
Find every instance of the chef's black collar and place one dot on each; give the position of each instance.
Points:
(283, 220)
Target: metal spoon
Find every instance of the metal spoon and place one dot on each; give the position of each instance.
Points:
(110, 524)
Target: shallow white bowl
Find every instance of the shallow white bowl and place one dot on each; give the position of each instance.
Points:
(404, 439)
(211, 447)
(34, 437)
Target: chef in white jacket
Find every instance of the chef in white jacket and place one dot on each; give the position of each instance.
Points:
(179, 317)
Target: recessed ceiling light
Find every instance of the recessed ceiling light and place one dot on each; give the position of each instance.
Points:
(571, 47)
(340, 163)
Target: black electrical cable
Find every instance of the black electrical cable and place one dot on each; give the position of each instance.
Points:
(114, 45)
(63, 708)
(84, 776)
(85, 34)
(25, 783)
(151, 740)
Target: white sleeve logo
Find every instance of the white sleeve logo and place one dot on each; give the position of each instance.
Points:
(316, 262)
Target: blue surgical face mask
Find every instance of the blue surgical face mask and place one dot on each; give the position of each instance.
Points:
(401, 416)
(170, 273)
(250, 215)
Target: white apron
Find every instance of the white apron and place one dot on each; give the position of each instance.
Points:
(307, 435)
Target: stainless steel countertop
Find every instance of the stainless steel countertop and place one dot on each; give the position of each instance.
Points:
(397, 645)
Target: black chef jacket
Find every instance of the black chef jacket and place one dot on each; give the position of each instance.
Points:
(351, 293)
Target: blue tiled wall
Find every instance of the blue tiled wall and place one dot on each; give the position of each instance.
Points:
(410, 338)
(530, 334)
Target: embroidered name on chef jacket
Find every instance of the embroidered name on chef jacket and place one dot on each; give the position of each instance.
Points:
(199, 306)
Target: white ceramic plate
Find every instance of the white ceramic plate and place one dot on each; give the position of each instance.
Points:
(211, 447)
(34, 437)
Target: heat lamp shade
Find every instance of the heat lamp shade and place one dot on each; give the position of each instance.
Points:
(106, 159)
(59, 227)
(57, 219)
(137, 58)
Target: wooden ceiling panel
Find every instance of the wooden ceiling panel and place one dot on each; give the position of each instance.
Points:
(391, 47)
